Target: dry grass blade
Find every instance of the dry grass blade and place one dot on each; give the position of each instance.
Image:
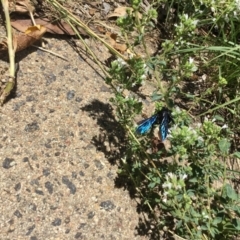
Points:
(9, 86)
(79, 23)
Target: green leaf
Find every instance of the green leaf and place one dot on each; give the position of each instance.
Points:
(230, 192)
(216, 221)
(204, 227)
(224, 145)
(156, 96)
(193, 180)
(179, 224)
(151, 185)
(219, 118)
(236, 223)
(190, 96)
(236, 154)
(190, 193)
(236, 209)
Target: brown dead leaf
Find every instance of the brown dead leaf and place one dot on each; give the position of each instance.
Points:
(21, 6)
(3, 45)
(101, 29)
(121, 12)
(24, 40)
(92, 11)
(54, 28)
(112, 35)
(120, 47)
(111, 39)
(31, 35)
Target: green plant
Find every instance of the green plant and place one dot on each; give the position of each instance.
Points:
(188, 186)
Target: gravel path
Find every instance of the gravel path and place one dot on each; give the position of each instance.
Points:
(56, 182)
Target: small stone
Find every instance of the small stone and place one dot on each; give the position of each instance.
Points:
(107, 205)
(98, 164)
(17, 214)
(67, 66)
(82, 225)
(40, 52)
(104, 88)
(34, 157)
(94, 199)
(86, 165)
(69, 184)
(33, 206)
(67, 231)
(106, 8)
(91, 215)
(11, 228)
(89, 146)
(31, 127)
(53, 207)
(30, 98)
(42, 117)
(17, 186)
(70, 94)
(99, 180)
(18, 94)
(4, 138)
(57, 154)
(67, 220)
(57, 222)
(34, 182)
(110, 175)
(74, 175)
(49, 187)
(48, 145)
(81, 173)
(50, 79)
(39, 192)
(18, 197)
(18, 105)
(33, 238)
(33, 109)
(30, 229)
(46, 172)
(78, 99)
(78, 235)
(25, 159)
(8, 163)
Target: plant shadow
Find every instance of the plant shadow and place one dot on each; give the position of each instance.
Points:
(111, 139)
(112, 142)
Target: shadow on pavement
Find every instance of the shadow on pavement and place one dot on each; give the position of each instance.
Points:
(111, 141)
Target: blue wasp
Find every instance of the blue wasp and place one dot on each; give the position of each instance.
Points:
(163, 118)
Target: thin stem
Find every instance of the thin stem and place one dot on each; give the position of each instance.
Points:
(11, 51)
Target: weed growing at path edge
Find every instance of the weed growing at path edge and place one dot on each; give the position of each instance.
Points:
(189, 186)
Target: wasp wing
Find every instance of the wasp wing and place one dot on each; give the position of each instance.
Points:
(165, 118)
(146, 125)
